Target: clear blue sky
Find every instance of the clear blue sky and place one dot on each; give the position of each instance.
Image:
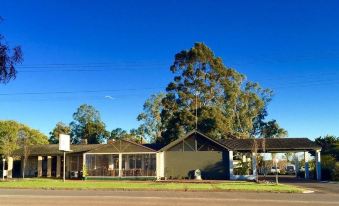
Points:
(126, 48)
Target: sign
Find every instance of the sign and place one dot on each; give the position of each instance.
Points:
(64, 142)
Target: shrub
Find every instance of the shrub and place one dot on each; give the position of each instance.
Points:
(243, 169)
(335, 176)
(328, 164)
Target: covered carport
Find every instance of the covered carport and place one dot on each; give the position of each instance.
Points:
(250, 149)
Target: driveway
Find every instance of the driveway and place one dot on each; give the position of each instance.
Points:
(318, 187)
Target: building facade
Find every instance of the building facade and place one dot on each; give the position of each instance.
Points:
(177, 160)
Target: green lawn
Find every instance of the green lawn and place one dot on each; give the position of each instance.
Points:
(36, 183)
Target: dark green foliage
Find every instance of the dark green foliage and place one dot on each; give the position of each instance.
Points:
(327, 167)
(118, 134)
(330, 157)
(243, 169)
(134, 135)
(271, 129)
(151, 126)
(14, 134)
(95, 132)
(60, 128)
(330, 145)
(336, 172)
(88, 125)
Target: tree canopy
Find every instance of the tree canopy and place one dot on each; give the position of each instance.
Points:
(118, 134)
(225, 102)
(330, 145)
(151, 126)
(9, 57)
(60, 128)
(87, 124)
(134, 135)
(271, 129)
(11, 133)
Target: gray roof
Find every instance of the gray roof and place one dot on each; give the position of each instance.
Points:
(246, 145)
(121, 146)
(53, 149)
(117, 146)
(273, 144)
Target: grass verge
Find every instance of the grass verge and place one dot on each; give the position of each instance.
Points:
(38, 183)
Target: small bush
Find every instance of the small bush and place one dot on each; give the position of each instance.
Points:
(243, 169)
(328, 164)
(335, 176)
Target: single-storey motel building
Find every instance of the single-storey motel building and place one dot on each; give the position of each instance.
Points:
(216, 159)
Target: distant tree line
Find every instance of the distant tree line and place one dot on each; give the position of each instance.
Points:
(88, 126)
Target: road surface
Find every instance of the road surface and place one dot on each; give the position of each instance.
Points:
(28, 197)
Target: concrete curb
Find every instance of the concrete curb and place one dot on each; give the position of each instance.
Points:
(308, 192)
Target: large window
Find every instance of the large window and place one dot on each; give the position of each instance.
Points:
(102, 165)
(74, 163)
(138, 164)
(132, 165)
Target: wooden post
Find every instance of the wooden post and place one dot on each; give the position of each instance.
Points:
(120, 165)
(9, 167)
(39, 166)
(49, 166)
(58, 167)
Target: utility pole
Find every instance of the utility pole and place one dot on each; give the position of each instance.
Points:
(64, 167)
(64, 145)
(196, 111)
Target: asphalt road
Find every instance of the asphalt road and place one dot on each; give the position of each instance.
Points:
(29, 197)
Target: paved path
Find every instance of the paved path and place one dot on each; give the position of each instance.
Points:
(319, 187)
(29, 197)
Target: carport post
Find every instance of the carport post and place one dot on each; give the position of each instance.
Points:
(120, 164)
(254, 164)
(83, 166)
(49, 166)
(39, 166)
(230, 162)
(58, 167)
(318, 164)
(9, 167)
(307, 171)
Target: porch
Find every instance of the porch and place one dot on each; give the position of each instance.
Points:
(120, 159)
(120, 165)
